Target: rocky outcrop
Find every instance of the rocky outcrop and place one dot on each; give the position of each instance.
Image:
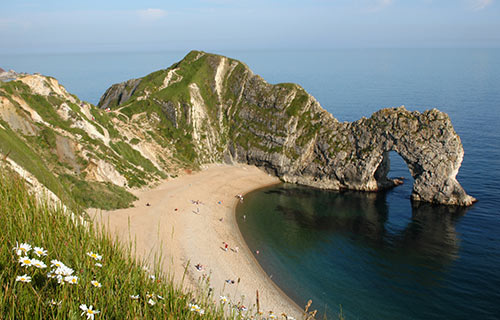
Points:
(8, 75)
(284, 130)
(119, 94)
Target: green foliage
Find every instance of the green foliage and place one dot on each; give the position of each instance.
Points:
(298, 103)
(25, 219)
(23, 155)
(103, 119)
(101, 195)
(133, 156)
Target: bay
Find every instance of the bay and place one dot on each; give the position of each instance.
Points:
(375, 254)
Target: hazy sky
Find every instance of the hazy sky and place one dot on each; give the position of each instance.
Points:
(108, 25)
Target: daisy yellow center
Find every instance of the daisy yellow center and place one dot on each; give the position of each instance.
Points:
(90, 311)
(73, 280)
(27, 261)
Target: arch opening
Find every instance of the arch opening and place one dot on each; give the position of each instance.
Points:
(393, 171)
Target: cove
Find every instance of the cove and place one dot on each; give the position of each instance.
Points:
(377, 255)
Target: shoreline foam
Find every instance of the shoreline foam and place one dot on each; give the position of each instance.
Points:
(188, 234)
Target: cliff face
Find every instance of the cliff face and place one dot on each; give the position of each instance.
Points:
(85, 156)
(212, 109)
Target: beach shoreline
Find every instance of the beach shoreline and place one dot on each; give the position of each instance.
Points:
(188, 220)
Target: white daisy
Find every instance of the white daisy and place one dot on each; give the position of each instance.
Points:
(136, 297)
(56, 263)
(64, 271)
(55, 303)
(223, 299)
(88, 311)
(39, 264)
(25, 261)
(22, 248)
(151, 302)
(71, 279)
(95, 256)
(40, 251)
(95, 284)
(194, 307)
(152, 277)
(24, 278)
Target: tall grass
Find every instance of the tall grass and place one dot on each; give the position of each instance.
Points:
(24, 219)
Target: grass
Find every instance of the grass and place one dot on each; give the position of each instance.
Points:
(24, 219)
(23, 155)
(101, 195)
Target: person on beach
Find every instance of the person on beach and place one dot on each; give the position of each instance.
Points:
(225, 246)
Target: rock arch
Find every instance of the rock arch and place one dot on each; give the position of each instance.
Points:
(429, 146)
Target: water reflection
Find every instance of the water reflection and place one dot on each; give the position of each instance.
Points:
(430, 233)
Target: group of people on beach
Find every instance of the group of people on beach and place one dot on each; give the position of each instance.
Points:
(226, 246)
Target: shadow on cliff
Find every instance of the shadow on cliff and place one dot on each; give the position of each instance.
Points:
(363, 218)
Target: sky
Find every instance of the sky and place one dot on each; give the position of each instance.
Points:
(149, 25)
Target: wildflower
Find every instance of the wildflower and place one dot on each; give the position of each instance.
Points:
(95, 284)
(55, 303)
(56, 263)
(272, 315)
(24, 278)
(136, 297)
(22, 248)
(223, 299)
(151, 302)
(149, 295)
(152, 277)
(94, 255)
(88, 311)
(196, 308)
(71, 279)
(160, 297)
(40, 251)
(64, 271)
(25, 262)
(39, 264)
(98, 265)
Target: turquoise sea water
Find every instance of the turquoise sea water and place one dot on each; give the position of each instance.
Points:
(374, 254)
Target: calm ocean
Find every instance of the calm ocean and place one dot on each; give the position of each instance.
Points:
(373, 254)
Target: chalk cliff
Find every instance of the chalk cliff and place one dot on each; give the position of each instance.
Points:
(212, 109)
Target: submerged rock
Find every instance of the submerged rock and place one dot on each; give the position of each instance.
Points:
(216, 110)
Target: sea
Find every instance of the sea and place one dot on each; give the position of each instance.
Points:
(362, 255)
